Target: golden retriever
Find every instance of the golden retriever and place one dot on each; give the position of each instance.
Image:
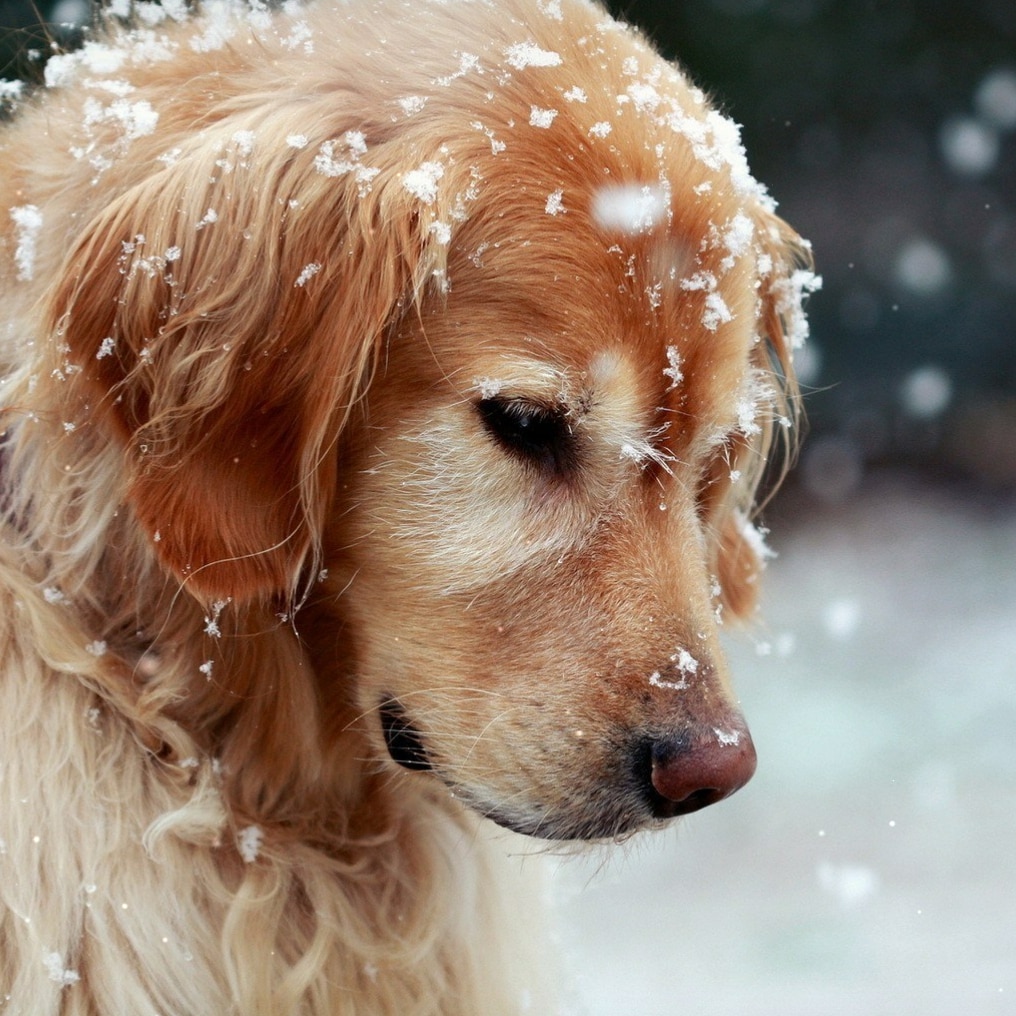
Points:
(386, 386)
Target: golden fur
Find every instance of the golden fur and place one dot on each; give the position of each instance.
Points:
(384, 381)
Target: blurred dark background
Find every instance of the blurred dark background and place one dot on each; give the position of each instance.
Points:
(886, 130)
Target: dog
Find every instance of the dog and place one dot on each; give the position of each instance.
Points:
(386, 388)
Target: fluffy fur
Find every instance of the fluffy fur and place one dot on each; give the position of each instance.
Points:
(385, 381)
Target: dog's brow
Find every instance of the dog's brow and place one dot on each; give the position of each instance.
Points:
(531, 379)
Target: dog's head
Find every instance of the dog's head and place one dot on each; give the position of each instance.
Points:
(499, 340)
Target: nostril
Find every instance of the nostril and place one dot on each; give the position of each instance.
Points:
(698, 768)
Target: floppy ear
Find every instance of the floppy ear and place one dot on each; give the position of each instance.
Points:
(740, 552)
(223, 316)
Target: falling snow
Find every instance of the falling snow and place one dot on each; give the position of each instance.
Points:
(631, 208)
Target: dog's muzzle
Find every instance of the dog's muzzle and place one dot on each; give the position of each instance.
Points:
(667, 774)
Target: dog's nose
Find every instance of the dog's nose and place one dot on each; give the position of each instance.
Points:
(699, 767)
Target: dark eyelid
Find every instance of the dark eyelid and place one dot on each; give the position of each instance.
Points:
(531, 432)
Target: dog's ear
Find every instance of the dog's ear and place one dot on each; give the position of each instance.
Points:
(764, 456)
(222, 317)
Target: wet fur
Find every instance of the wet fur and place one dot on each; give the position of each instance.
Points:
(247, 502)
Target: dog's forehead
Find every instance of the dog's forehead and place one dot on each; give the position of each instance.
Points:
(625, 284)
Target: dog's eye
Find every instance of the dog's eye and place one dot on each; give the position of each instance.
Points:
(530, 432)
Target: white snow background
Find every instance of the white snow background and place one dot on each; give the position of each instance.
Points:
(869, 868)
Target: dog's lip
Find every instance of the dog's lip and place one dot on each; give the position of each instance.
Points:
(616, 815)
(407, 748)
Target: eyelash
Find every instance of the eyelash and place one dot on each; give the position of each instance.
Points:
(531, 433)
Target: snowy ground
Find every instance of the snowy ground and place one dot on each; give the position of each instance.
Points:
(870, 867)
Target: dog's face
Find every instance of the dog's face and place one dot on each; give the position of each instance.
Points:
(533, 517)
(516, 403)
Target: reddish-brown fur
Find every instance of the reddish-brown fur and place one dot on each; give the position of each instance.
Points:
(256, 528)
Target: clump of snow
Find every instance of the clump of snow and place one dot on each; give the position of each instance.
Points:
(789, 294)
(496, 145)
(736, 238)
(716, 312)
(300, 36)
(468, 62)
(58, 971)
(685, 662)
(96, 58)
(575, 94)
(657, 681)
(297, 141)
(338, 157)
(728, 738)
(27, 221)
(541, 117)
(212, 623)
(555, 203)
(755, 538)
(642, 451)
(600, 129)
(716, 142)
(210, 217)
(307, 273)
(96, 648)
(631, 208)
(673, 368)
(755, 395)
(11, 91)
(488, 387)
(687, 666)
(244, 141)
(644, 97)
(249, 842)
(219, 28)
(135, 119)
(411, 104)
(442, 232)
(422, 182)
(528, 54)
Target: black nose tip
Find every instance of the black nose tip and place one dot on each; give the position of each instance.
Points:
(698, 768)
